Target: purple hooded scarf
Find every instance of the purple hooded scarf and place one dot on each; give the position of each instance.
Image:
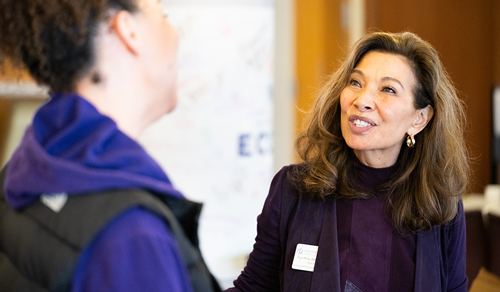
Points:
(72, 148)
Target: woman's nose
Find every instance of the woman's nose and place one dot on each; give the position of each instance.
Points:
(365, 100)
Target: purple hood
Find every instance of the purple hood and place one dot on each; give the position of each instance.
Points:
(72, 148)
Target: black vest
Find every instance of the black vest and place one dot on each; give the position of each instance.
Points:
(39, 248)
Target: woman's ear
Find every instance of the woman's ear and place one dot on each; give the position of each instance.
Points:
(124, 26)
(423, 117)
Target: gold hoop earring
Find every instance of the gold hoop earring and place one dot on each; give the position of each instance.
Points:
(410, 141)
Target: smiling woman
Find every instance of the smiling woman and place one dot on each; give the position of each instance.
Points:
(378, 196)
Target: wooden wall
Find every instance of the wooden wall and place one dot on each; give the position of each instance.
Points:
(496, 9)
(321, 43)
(464, 34)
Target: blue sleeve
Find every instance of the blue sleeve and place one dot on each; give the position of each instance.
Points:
(262, 272)
(456, 253)
(135, 252)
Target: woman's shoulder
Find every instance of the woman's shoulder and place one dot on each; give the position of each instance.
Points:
(457, 224)
(285, 190)
(134, 227)
(285, 180)
(290, 173)
(136, 236)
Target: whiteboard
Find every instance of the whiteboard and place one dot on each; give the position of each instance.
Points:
(217, 145)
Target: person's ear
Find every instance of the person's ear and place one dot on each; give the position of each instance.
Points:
(423, 117)
(124, 26)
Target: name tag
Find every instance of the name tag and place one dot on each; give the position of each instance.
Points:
(305, 257)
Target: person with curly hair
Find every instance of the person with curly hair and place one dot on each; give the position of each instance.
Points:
(376, 203)
(83, 207)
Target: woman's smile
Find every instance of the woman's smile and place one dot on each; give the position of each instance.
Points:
(360, 124)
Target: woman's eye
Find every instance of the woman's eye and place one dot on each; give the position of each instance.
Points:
(389, 89)
(354, 82)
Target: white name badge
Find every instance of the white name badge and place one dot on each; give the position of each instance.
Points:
(305, 257)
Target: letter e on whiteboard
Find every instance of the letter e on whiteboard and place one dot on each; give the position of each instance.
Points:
(305, 257)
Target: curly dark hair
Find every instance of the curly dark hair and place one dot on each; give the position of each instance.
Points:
(431, 177)
(53, 39)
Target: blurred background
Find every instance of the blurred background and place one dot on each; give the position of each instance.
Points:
(247, 71)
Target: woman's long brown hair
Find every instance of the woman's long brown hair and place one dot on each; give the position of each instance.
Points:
(431, 177)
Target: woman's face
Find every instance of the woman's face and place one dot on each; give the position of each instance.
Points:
(160, 43)
(377, 108)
